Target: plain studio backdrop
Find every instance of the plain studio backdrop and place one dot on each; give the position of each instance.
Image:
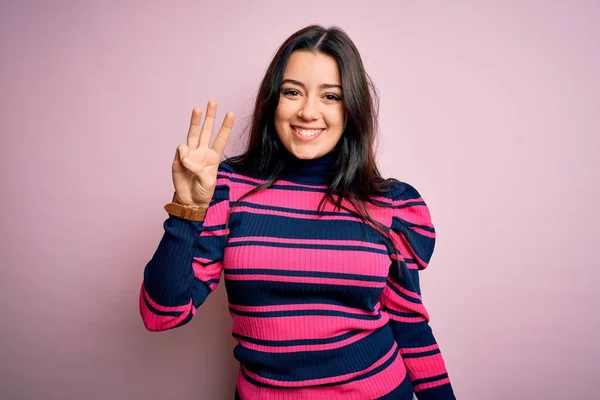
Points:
(489, 108)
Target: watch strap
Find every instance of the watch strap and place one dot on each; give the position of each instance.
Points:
(192, 213)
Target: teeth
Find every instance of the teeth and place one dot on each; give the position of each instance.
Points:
(308, 132)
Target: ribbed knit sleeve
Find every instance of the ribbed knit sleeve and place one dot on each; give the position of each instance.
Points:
(414, 239)
(186, 266)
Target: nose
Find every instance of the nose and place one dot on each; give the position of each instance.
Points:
(309, 110)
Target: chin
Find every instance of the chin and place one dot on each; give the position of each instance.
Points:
(306, 154)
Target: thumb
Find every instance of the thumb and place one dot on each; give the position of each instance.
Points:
(181, 152)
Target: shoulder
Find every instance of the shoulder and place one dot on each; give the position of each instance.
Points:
(401, 191)
(225, 167)
(405, 204)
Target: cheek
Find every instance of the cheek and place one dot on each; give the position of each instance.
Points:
(284, 111)
(335, 119)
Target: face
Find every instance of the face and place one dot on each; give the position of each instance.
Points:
(309, 118)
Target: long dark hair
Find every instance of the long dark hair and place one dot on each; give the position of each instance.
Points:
(354, 176)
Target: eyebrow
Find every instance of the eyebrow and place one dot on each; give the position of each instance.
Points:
(322, 86)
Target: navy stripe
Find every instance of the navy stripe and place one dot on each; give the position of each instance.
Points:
(299, 313)
(199, 292)
(298, 188)
(404, 391)
(214, 228)
(265, 293)
(241, 180)
(277, 186)
(294, 210)
(403, 314)
(421, 354)
(307, 246)
(243, 224)
(412, 225)
(158, 312)
(312, 274)
(185, 320)
(403, 295)
(348, 359)
(298, 342)
(373, 372)
(409, 204)
(210, 247)
(412, 334)
(431, 379)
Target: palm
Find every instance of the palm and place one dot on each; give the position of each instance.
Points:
(195, 183)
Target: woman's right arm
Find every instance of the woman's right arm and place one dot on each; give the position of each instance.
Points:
(187, 264)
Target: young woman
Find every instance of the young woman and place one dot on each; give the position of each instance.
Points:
(320, 254)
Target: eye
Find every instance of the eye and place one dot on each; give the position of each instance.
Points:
(290, 92)
(332, 97)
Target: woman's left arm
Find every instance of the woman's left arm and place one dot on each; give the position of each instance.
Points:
(414, 239)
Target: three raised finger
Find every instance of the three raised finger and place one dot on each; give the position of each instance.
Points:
(223, 135)
(207, 126)
(193, 136)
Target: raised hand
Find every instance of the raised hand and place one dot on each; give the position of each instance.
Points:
(196, 163)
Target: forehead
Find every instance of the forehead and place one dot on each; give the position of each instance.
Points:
(312, 68)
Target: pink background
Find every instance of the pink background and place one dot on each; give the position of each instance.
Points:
(490, 110)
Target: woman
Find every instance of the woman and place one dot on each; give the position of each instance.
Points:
(320, 254)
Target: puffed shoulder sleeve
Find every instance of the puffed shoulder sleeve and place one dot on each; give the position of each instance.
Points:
(413, 235)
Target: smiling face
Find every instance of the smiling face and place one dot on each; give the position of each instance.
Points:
(309, 118)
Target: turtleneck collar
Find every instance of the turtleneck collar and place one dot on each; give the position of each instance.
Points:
(316, 171)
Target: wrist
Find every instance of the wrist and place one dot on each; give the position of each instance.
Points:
(176, 200)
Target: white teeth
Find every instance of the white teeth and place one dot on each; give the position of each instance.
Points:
(308, 132)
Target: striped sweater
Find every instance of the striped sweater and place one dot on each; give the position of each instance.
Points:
(323, 305)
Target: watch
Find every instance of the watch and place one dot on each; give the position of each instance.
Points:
(192, 213)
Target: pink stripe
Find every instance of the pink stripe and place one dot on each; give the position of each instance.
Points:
(203, 261)
(417, 215)
(297, 348)
(423, 232)
(410, 350)
(321, 381)
(428, 385)
(404, 201)
(304, 279)
(308, 241)
(221, 232)
(157, 323)
(206, 273)
(215, 215)
(304, 201)
(425, 367)
(278, 258)
(407, 292)
(415, 319)
(225, 178)
(310, 306)
(368, 388)
(303, 326)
